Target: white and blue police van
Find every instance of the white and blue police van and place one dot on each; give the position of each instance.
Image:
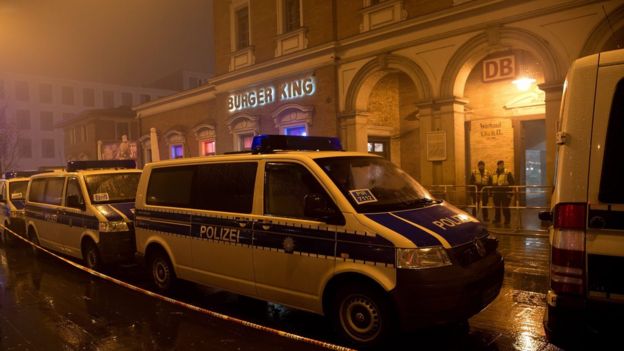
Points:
(13, 187)
(85, 211)
(343, 234)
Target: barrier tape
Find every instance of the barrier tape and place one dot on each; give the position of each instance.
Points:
(202, 310)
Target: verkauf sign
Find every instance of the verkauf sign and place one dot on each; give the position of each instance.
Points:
(498, 68)
(266, 95)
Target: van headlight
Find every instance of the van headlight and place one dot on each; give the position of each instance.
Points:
(420, 258)
(113, 226)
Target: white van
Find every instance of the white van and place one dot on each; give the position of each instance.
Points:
(12, 196)
(587, 236)
(85, 211)
(344, 234)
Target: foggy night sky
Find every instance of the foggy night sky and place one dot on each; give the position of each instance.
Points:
(131, 42)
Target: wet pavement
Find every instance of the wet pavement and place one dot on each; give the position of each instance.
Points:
(46, 304)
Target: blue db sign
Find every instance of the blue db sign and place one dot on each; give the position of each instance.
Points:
(499, 68)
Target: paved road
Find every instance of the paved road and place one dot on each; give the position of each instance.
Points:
(46, 304)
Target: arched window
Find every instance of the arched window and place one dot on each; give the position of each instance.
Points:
(175, 143)
(206, 139)
(243, 128)
(293, 119)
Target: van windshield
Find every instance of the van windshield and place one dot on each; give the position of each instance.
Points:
(113, 187)
(373, 184)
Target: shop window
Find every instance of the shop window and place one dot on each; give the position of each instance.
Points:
(300, 130)
(244, 141)
(207, 147)
(177, 151)
(379, 146)
(122, 129)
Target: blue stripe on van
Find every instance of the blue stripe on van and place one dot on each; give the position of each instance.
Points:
(459, 234)
(76, 219)
(307, 240)
(417, 236)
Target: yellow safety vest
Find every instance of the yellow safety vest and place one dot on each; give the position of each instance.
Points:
(481, 180)
(501, 179)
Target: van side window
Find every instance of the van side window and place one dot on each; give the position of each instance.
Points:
(285, 188)
(54, 191)
(37, 187)
(611, 189)
(73, 195)
(171, 186)
(227, 187)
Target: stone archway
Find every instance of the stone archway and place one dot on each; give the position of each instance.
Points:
(604, 32)
(501, 39)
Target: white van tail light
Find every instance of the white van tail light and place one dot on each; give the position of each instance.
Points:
(568, 249)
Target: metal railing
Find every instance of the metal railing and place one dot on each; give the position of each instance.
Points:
(523, 202)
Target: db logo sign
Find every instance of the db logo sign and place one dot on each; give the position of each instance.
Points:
(499, 68)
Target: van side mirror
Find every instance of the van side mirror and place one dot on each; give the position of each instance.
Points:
(74, 201)
(545, 216)
(316, 206)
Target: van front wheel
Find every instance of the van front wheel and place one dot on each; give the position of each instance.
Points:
(91, 256)
(162, 271)
(362, 314)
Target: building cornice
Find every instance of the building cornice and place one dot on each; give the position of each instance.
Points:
(172, 102)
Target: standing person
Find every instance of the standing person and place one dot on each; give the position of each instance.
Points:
(481, 177)
(501, 180)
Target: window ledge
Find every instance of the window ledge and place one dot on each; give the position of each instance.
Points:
(382, 14)
(291, 42)
(242, 58)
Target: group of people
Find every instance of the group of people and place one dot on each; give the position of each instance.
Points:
(499, 184)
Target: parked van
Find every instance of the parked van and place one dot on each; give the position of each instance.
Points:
(12, 196)
(85, 211)
(344, 234)
(587, 236)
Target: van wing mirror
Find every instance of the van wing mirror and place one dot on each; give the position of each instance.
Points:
(74, 201)
(316, 206)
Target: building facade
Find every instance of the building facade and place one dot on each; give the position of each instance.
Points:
(33, 107)
(433, 86)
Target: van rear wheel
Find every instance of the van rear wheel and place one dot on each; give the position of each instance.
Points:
(161, 269)
(362, 314)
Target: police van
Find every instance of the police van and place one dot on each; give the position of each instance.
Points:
(587, 207)
(13, 187)
(344, 234)
(85, 211)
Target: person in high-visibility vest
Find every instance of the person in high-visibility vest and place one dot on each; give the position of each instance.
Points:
(481, 177)
(502, 180)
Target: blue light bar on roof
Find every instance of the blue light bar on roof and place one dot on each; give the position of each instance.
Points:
(264, 143)
(73, 166)
(17, 174)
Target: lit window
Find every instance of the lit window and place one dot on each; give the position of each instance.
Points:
(245, 141)
(296, 130)
(207, 148)
(177, 151)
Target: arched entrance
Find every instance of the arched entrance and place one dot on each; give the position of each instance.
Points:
(381, 110)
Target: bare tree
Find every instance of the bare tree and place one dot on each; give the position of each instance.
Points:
(9, 141)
